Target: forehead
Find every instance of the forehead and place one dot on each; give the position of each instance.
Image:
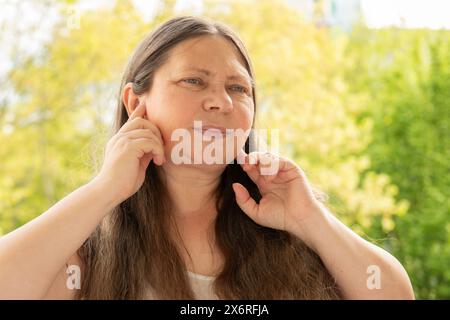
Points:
(211, 52)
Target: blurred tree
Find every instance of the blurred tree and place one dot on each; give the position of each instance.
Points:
(322, 92)
(406, 76)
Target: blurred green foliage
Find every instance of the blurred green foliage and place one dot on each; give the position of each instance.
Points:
(365, 114)
(406, 76)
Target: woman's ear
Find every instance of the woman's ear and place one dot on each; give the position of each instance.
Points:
(130, 99)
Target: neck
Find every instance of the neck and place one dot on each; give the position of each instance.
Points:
(191, 190)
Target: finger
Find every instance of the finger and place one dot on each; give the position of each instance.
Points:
(253, 157)
(146, 133)
(145, 160)
(241, 157)
(253, 172)
(245, 201)
(142, 133)
(146, 145)
(289, 171)
(279, 170)
(139, 111)
(248, 163)
(267, 164)
(140, 123)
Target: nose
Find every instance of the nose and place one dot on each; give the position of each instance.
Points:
(218, 99)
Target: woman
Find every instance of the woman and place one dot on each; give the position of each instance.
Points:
(150, 226)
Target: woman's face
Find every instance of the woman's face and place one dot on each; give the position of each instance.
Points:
(204, 79)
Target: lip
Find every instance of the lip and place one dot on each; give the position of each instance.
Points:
(212, 128)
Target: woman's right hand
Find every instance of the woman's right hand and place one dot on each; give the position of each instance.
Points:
(128, 154)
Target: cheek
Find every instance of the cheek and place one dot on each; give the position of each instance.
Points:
(174, 105)
(245, 117)
(168, 111)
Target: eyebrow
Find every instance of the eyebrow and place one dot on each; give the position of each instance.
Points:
(234, 77)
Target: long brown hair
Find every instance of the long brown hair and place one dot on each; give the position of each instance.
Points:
(132, 248)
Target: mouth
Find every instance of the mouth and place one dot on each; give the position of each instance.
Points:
(214, 131)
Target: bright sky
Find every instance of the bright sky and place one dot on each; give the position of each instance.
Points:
(433, 14)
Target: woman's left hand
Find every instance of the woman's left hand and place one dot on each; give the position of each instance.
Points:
(287, 198)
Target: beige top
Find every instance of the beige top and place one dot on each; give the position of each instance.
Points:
(201, 285)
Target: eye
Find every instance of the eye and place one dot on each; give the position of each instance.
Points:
(239, 88)
(192, 81)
